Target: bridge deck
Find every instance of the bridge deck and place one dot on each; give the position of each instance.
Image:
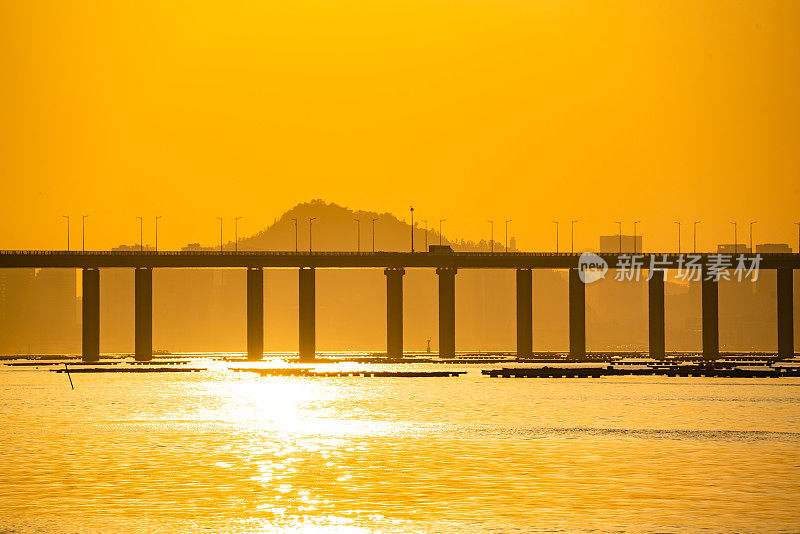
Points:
(350, 260)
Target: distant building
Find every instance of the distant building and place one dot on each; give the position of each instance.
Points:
(774, 248)
(195, 247)
(730, 248)
(512, 244)
(611, 244)
(131, 248)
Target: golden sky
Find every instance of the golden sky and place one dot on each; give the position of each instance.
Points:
(471, 110)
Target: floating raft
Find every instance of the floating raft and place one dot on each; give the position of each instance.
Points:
(545, 372)
(130, 370)
(158, 362)
(294, 371)
(597, 372)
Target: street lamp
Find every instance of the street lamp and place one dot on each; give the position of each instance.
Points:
(634, 235)
(157, 218)
(751, 236)
(440, 230)
(735, 239)
(507, 221)
(679, 236)
(491, 237)
(67, 218)
(310, 220)
(556, 223)
(373, 235)
(412, 229)
(236, 234)
(426, 234)
(620, 235)
(572, 236)
(220, 234)
(694, 236)
(83, 233)
(141, 234)
(358, 234)
(295, 235)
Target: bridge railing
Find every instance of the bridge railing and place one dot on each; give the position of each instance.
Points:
(346, 253)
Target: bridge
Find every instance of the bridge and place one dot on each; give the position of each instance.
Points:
(446, 264)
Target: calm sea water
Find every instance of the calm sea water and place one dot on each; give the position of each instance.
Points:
(219, 451)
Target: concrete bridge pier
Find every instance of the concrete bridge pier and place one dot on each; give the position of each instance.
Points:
(143, 316)
(524, 313)
(394, 312)
(255, 313)
(91, 315)
(577, 315)
(447, 311)
(307, 318)
(785, 313)
(655, 286)
(710, 312)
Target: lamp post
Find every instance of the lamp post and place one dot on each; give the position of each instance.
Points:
(373, 235)
(83, 233)
(236, 234)
(694, 236)
(295, 235)
(751, 236)
(507, 221)
(679, 236)
(556, 223)
(634, 235)
(572, 236)
(735, 239)
(310, 221)
(220, 234)
(156, 219)
(491, 237)
(426, 234)
(141, 234)
(358, 235)
(620, 235)
(440, 230)
(67, 218)
(412, 229)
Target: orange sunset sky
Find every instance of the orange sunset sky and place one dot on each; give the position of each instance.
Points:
(470, 110)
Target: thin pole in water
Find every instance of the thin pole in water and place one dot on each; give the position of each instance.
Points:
(66, 367)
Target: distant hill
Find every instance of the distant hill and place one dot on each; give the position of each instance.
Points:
(334, 229)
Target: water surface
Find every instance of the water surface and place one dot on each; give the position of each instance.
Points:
(221, 451)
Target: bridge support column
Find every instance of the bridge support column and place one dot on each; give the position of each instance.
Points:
(577, 315)
(447, 312)
(255, 313)
(307, 323)
(710, 312)
(91, 315)
(655, 288)
(394, 312)
(143, 316)
(524, 313)
(785, 313)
